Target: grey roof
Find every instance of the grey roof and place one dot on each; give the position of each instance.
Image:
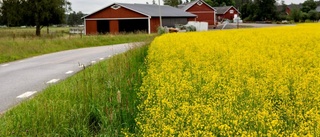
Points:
(318, 9)
(152, 10)
(186, 6)
(224, 9)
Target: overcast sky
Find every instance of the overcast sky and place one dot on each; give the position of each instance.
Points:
(89, 6)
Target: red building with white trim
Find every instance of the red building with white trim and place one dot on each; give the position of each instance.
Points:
(203, 10)
(121, 17)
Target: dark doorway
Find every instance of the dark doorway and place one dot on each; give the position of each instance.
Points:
(133, 25)
(103, 26)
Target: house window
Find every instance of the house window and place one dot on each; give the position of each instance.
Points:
(115, 7)
(231, 11)
(199, 3)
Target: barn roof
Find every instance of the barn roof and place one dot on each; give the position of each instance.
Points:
(152, 10)
(224, 9)
(187, 6)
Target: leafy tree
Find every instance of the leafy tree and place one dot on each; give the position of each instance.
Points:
(266, 9)
(12, 11)
(295, 15)
(173, 3)
(303, 16)
(75, 18)
(309, 5)
(238, 3)
(248, 11)
(46, 12)
(37, 13)
(313, 15)
(217, 3)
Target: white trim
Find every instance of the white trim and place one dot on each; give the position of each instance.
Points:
(85, 27)
(233, 12)
(215, 19)
(115, 18)
(113, 4)
(202, 12)
(199, 5)
(149, 25)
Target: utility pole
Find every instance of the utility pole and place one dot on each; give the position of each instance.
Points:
(160, 14)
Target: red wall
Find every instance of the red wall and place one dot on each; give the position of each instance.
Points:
(228, 15)
(91, 27)
(288, 10)
(204, 13)
(118, 13)
(114, 26)
(154, 24)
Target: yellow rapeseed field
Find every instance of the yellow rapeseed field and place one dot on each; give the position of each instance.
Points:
(247, 82)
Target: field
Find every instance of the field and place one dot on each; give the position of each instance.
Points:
(19, 43)
(247, 82)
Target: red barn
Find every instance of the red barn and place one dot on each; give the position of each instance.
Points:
(200, 8)
(226, 12)
(120, 17)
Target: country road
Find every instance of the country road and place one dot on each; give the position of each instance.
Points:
(22, 79)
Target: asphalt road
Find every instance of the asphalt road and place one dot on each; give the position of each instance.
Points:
(21, 79)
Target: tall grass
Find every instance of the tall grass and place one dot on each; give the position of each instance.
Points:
(19, 48)
(14, 32)
(99, 101)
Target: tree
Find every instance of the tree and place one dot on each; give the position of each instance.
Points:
(75, 18)
(248, 11)
(238, 3)
(303, 16)
(173, 3)
(309, 5)
(12, 12)
(313, 15)
(46, 12)
(266, 9)
(295, 15)
(37, 13)
(217, 3)
(154, 2)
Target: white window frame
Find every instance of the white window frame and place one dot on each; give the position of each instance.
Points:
(115, 7)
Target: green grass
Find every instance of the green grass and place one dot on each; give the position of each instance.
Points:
(16, 32)
(87, 104)
(19, 48)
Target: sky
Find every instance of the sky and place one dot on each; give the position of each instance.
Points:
(89, 6)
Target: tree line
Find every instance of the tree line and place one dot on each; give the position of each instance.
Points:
(38, 13)
(263, 10)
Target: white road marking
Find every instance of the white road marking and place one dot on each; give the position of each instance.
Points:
(69, 72)
(21, 61)
(27, 94)
(53, 81)
(4, 65)
(101, 58)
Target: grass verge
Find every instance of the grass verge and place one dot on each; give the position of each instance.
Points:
(99, 101)
(15, 49)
